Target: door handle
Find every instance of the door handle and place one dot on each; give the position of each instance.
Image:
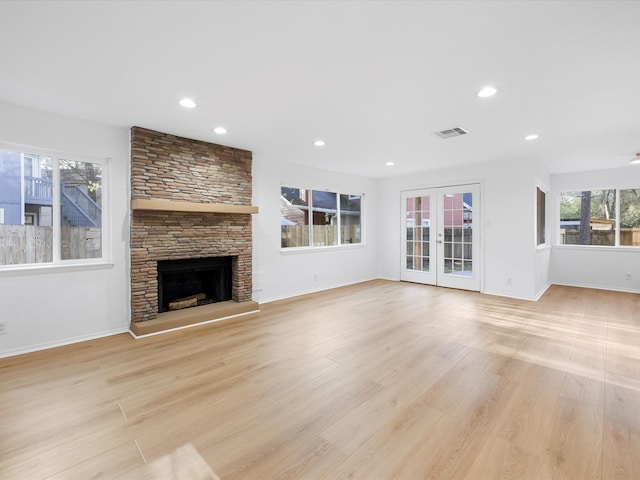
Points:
(438, 241)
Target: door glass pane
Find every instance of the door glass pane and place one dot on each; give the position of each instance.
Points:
(448, 265)
(458, 228)
(418, 224)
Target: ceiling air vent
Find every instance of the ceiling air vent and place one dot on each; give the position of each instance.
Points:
(452, 132)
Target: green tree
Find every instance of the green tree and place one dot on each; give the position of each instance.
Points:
(630, 208)
(84, 174)
(570, 205)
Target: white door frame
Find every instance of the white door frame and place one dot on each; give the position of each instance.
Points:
(434, 219)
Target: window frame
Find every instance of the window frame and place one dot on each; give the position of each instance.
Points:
(339, 245)
(57, 262)
(616, 246)
(543, 219)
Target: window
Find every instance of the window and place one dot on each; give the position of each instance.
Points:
(630, 217)
(317, 218)
(609, 217)
(52, 209)
(540, 217)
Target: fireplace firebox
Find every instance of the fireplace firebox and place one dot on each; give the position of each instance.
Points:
(193, 282)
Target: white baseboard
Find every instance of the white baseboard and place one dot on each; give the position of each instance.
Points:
(309, 291)
(599, 287)
(60, 343)
(515, 297)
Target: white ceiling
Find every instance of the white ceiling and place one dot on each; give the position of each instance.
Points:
(373, 79)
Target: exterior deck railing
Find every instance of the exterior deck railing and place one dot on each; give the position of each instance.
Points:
(38, 190)
(78, 209)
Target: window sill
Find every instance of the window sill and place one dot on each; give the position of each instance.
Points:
(42, 269)
(598, 248)
(332, 248)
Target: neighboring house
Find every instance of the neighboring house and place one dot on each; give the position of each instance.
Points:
(26, 194)
(295, 207)
(458, 208)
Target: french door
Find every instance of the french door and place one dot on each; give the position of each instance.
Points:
(441, 236)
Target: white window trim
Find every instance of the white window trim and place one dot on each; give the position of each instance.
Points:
(104, 261)
(338, 246)
(546, 242)
(617, 247)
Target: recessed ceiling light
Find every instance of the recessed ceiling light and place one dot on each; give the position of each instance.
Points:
(187, 103)
(533, 136)
(487, 92)
(319, 143)
(220, 130)
(635, 161)
(389, 164)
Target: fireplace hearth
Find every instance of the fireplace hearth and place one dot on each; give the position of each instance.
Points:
(193, 282)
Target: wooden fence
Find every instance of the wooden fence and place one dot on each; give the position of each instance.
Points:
(628, 237)
(298, 235)
(20, 244)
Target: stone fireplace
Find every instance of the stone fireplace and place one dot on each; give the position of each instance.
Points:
(190, 200)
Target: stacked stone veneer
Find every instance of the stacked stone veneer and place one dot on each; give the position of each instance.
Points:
(174, 168)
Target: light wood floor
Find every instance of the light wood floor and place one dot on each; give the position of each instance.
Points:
(379, 380)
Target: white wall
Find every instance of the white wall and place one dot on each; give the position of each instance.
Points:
(52, 306)
(507, 201)
(277, 274)
(596, 267)
(49, 307)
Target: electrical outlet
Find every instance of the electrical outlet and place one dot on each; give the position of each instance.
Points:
(628, 276)
(509, 281)
(3, 328)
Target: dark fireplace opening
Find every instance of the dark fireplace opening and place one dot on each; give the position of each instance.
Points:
(193, 282)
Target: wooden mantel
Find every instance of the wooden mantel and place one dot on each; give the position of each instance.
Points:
(195, 207)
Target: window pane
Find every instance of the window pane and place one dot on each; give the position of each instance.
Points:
(350, 221)
(630, 217)
(80, 209)
(588, 217)
(26, 200)
(294, 217)
(540, 217)
(324, 209)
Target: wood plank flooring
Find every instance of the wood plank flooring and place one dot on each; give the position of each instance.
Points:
(380, 380)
